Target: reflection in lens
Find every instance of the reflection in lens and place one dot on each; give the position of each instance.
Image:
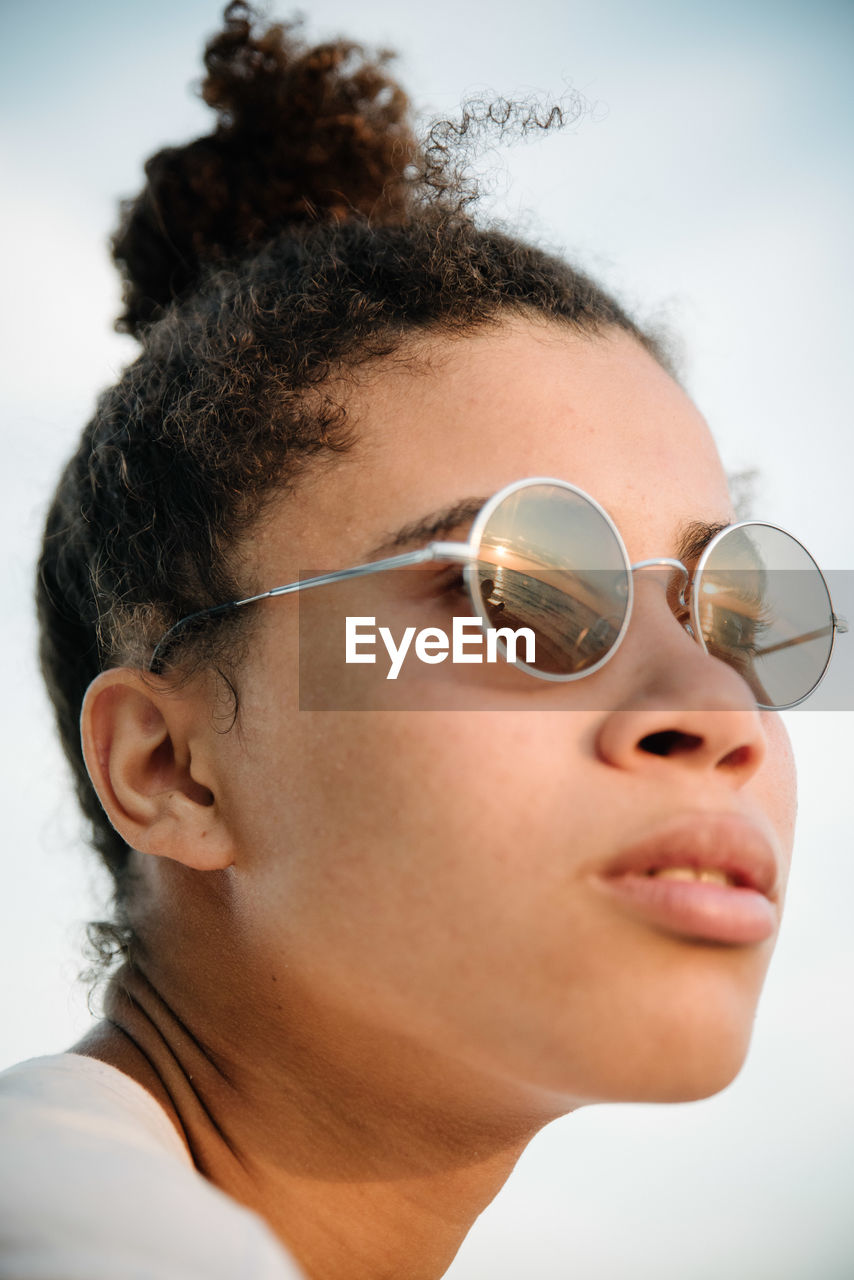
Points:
(549, 560)
(762, 606)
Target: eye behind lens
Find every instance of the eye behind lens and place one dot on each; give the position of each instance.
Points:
(550, 559)
(764, 608)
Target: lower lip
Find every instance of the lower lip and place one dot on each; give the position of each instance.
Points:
(696, 908)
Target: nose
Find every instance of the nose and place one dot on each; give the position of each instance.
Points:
(680, 708)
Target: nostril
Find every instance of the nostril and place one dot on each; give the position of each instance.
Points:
(670, 742)
(738, 758)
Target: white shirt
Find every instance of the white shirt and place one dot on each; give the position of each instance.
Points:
(96, 1184)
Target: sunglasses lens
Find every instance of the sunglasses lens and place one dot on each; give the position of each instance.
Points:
(763, 607)
(550, 560)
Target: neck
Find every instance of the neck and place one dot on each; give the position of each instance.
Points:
(363, 1155)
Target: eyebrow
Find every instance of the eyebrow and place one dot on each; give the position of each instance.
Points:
(435, 525)
(691, 538)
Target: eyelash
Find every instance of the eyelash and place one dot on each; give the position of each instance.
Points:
(451, 582)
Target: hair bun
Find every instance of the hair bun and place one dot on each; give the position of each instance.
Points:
(304, 135)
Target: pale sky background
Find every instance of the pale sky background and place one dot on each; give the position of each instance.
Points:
(710, 185)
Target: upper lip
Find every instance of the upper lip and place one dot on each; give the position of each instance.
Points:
(728, 842)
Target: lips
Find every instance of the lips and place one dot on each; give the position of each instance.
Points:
(707, 876)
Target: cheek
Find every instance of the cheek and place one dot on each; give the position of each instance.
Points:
(775, 784)
(420, 877)
(400, 840)
(388, 785)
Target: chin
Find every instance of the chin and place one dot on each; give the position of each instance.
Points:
(677, 1077)
(688, 1038)
(689, 1081)
(653, 1050)
(694, 1059)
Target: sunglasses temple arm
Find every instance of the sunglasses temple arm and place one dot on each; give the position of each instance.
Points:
(458, 551)
(838, 624)
(433, 551)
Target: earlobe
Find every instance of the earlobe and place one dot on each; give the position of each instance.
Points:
(146, 758)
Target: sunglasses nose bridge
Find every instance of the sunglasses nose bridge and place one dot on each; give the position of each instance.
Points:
(667, 562)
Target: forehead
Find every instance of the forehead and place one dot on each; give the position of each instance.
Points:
(465, 416)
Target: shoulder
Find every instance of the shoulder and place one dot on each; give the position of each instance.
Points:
(97, 1183)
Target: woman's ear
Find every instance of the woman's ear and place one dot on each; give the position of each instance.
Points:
(149, 751)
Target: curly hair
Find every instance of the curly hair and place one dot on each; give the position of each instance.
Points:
(308, 234)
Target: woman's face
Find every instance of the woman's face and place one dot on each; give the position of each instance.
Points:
(440, 877)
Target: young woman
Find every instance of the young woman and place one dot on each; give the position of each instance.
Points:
(376, 933)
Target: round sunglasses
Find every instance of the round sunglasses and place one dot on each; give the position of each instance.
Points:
(543, 554)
